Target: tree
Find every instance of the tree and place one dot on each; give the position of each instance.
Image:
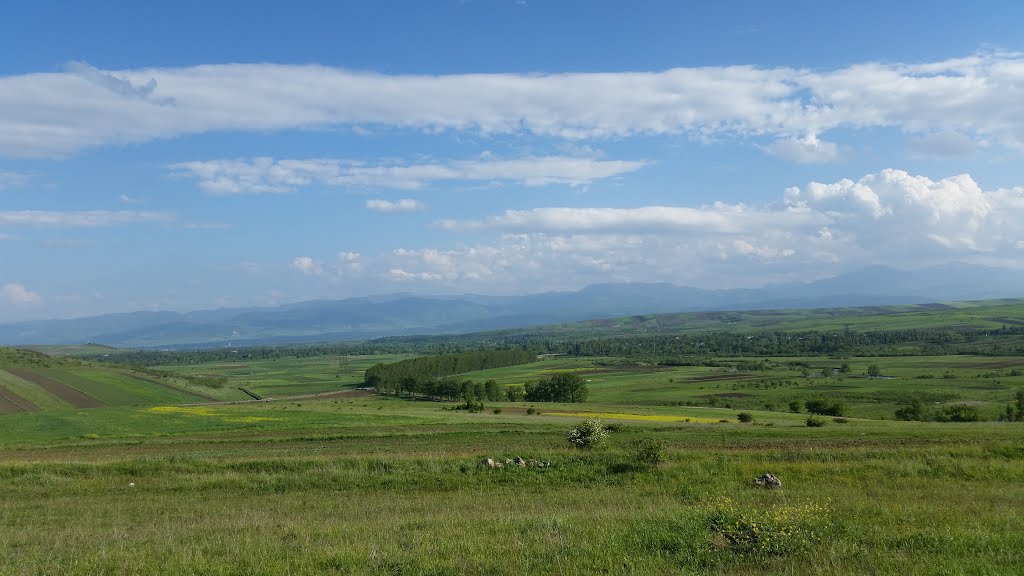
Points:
(874, 371)
(845, 368)
(795, 406)
(492, 391)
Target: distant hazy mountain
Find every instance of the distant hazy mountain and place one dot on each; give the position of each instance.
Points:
(404, 314)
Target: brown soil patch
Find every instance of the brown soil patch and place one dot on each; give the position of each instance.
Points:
(72, 396)
(17, 401)
(8, 407)
(174, 388)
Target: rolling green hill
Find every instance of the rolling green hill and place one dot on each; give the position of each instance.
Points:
(31, 381)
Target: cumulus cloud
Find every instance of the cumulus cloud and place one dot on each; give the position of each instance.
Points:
(404, 205)
(307, 265)
(266, 175)
(80, 219)
(17, 294)
(890, 217)
(58, 113)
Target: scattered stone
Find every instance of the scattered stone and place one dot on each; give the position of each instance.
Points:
(768, 481)
(519, 462)
(488, 463)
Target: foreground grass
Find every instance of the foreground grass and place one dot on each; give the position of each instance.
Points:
(392, 487)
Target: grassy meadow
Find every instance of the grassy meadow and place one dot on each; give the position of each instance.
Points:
(174, 470)
(371, 485)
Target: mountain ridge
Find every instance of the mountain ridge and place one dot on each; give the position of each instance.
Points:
(367, 317)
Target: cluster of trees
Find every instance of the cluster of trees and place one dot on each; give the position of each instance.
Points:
(825, 407)
(561, 387)
(452, 388)
(419, 374)
(916, 410)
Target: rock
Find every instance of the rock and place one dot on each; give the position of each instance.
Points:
(488, 463)
(768, 481)
(519, 462)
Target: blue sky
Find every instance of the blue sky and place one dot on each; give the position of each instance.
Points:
(247, 154)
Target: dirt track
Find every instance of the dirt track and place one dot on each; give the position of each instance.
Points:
(75, 397)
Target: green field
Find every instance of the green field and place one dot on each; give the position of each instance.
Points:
(290, 376)
(384, 486)
(324, 477)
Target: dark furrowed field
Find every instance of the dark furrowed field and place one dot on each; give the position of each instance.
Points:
(376, 486)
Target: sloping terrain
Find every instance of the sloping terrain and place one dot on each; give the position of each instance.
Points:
(31, 382)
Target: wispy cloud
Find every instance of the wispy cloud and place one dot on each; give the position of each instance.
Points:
(60, 113)
(17, 294)
(266, 175)
(403, 205)
(11, 179)
(80, 219)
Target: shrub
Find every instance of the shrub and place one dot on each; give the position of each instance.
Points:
(814, 422)
(587, 434)
(840, 420)
(531, 411)
(646, 453)
(766, 531)
(958, 413)
(745, 417)
(496, 411)
(825, 407)
(796, 406)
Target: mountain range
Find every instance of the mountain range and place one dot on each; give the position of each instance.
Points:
(406, 314)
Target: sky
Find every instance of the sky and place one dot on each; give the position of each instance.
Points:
(199, 155)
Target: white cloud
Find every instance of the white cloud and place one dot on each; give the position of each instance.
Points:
(891, 218)
(80, 219)
(307, 266)
(45, 114)
(126, 199)
(718, 217)
(266, 175)
(17, 294)
(806, 150)
(404, 205)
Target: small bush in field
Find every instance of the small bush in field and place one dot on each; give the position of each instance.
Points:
(813, 422)
(773, 531)
(588, 434)
(646, 453)
(745, 417)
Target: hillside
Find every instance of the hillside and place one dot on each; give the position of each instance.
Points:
(31, 381)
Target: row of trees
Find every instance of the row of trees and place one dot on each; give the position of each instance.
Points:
(561, 387)
(429, 372)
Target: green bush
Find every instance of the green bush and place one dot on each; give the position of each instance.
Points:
(814, 422)
(587, 434)
(646, 453)
(745, 417)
